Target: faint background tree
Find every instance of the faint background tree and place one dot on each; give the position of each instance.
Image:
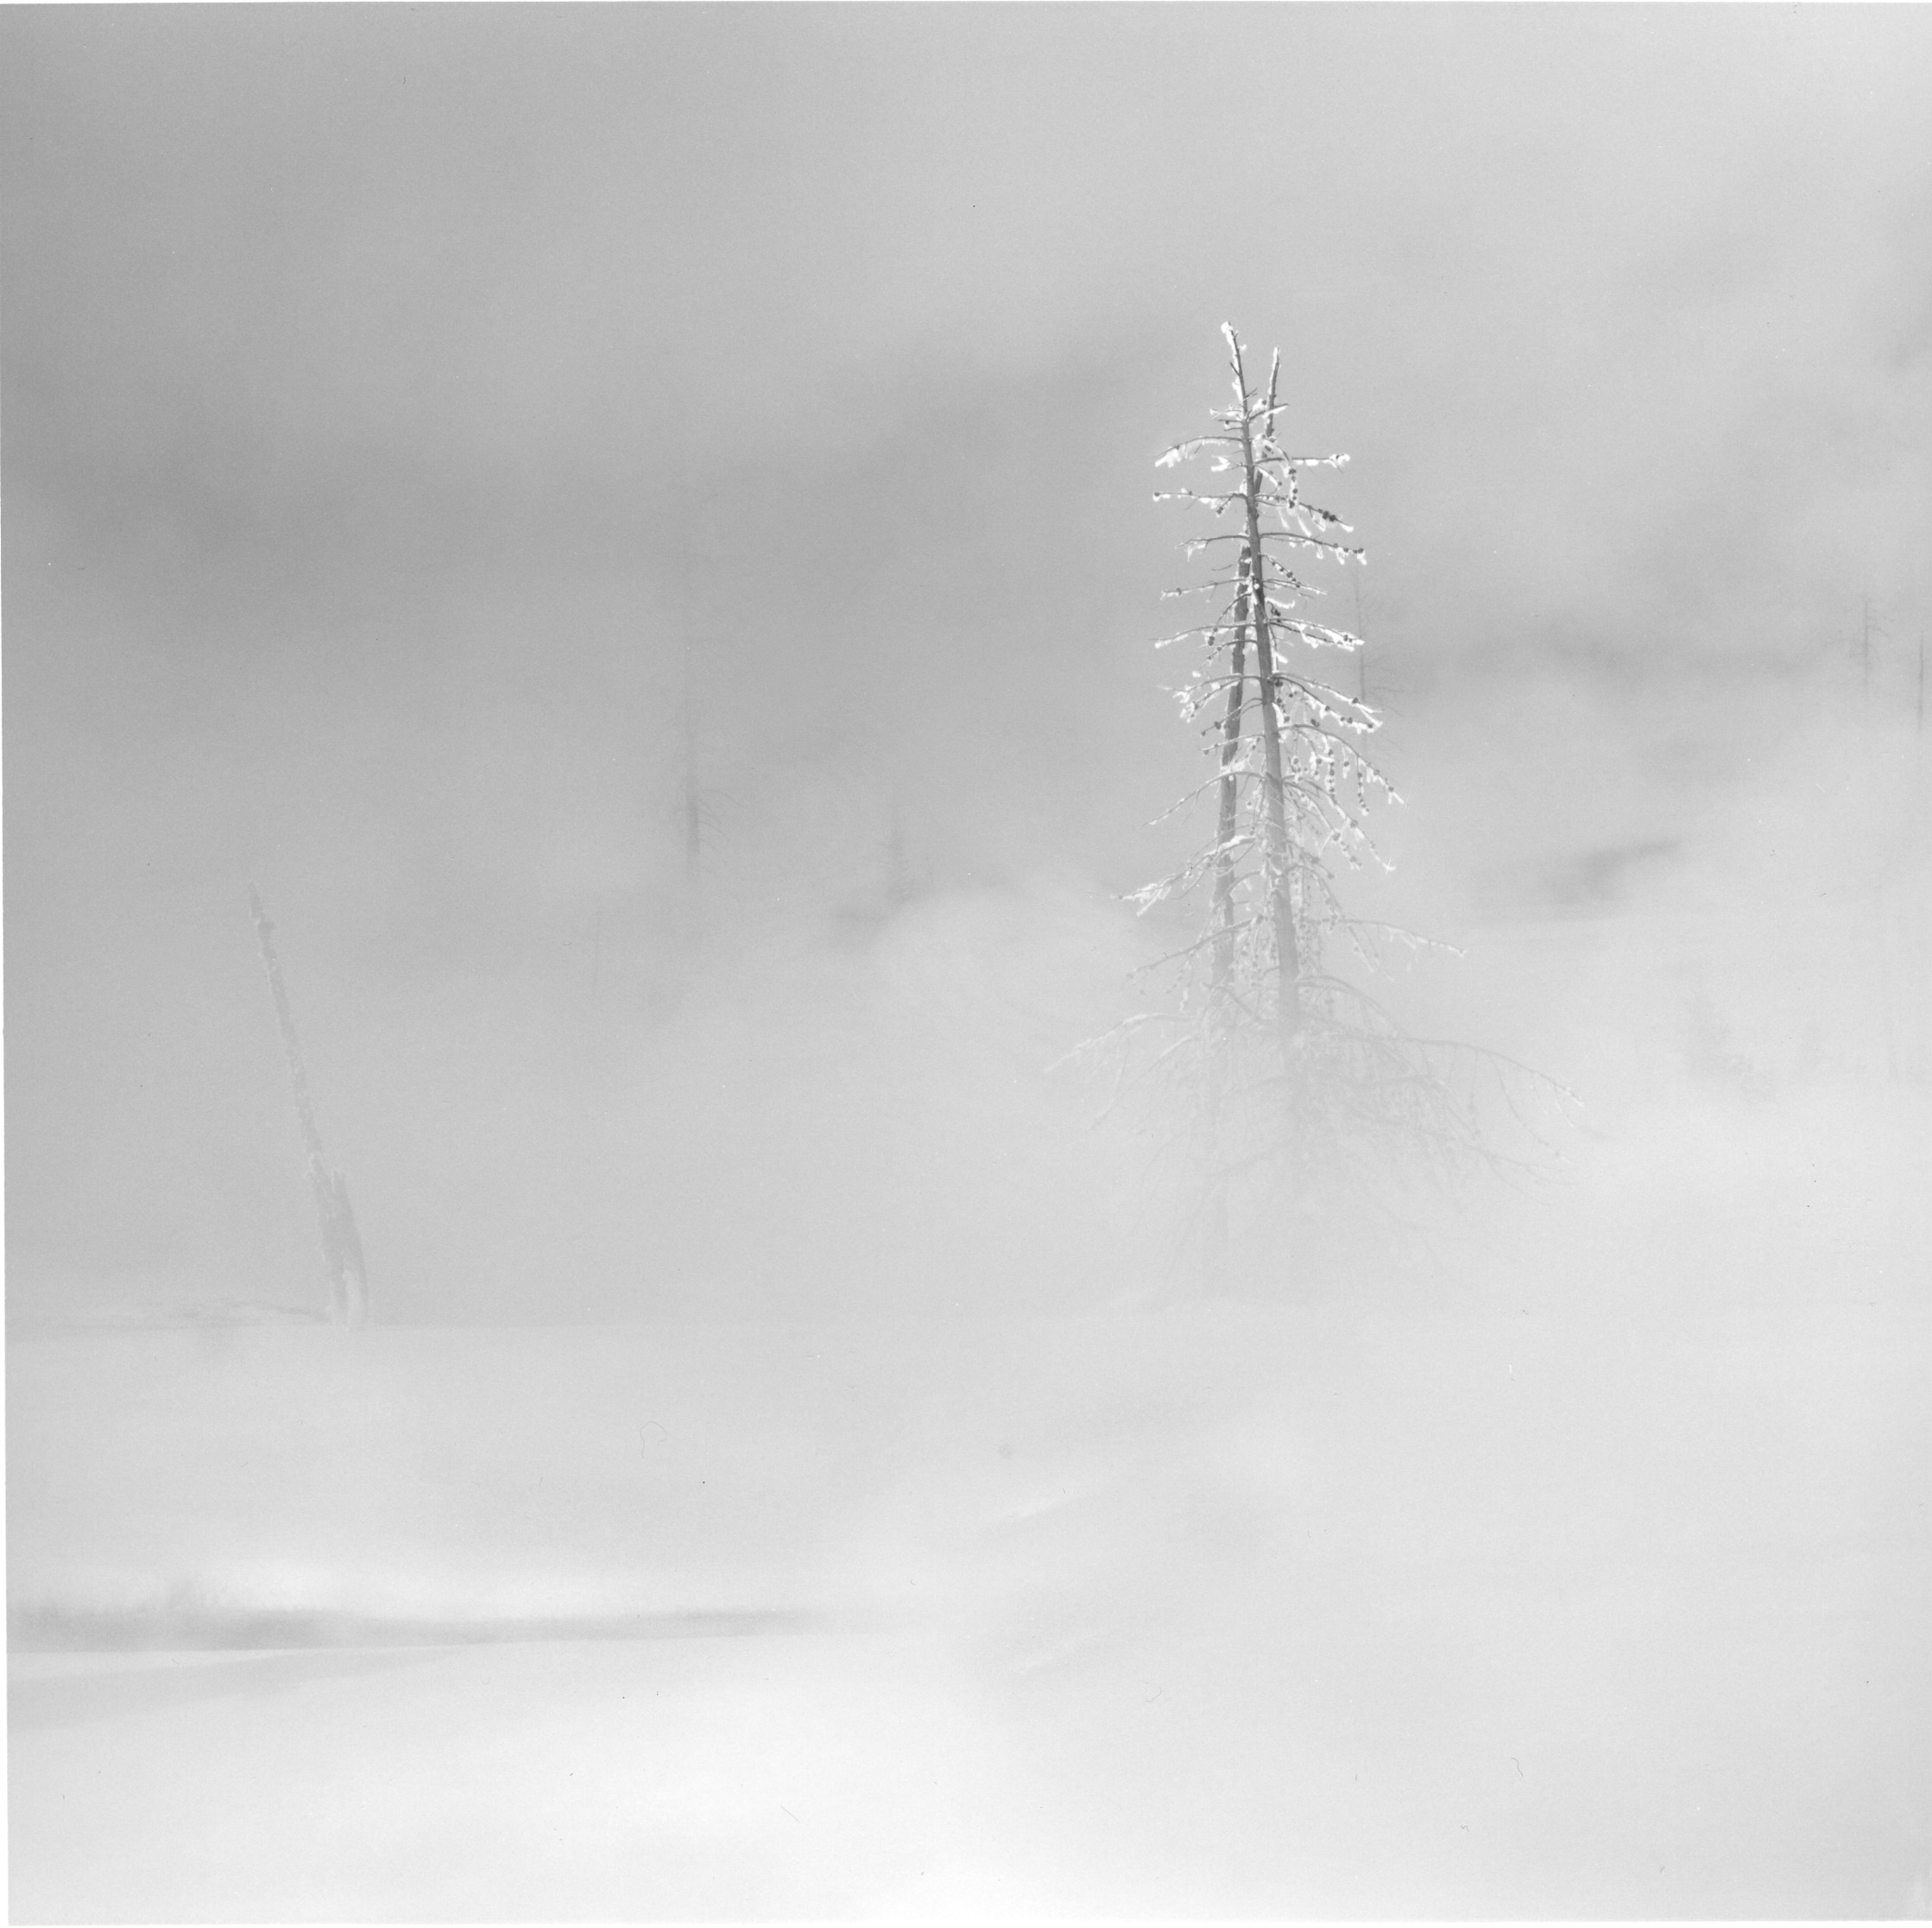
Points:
(342, 1244)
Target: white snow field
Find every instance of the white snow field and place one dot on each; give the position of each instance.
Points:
(1604, 1595)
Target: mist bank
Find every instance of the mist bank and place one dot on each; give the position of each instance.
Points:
(833, 1073)
(1535, 1607)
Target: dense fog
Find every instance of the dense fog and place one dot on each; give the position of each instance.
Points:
(417, 430)
(631, 527)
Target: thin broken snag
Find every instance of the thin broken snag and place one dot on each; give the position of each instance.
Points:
(342, 1244)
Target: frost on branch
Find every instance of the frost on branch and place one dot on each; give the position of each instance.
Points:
(1295, 1096)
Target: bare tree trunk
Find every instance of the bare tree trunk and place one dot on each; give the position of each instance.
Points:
(342, 1245)
(1214, 1237)
(1230, 795)
(1287, 953)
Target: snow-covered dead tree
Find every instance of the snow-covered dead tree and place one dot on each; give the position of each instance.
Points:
(1300, 1089)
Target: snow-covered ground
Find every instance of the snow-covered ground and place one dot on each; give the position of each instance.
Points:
(1581, 1570)
(1554, 1598)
